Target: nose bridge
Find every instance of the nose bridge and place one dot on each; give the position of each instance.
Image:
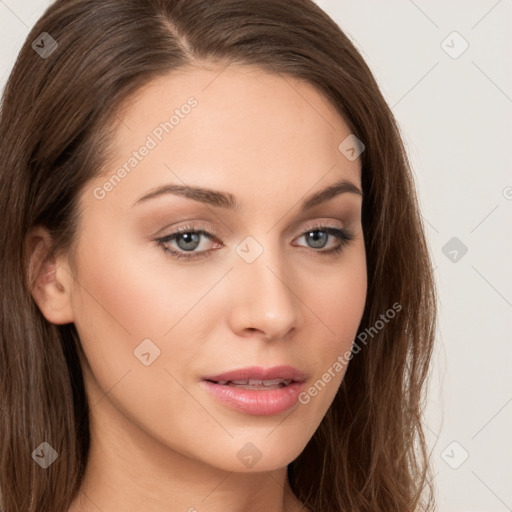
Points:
(263, 298)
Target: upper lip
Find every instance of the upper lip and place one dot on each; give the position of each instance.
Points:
(260, 373)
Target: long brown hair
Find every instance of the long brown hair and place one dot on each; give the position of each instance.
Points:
(58, 115)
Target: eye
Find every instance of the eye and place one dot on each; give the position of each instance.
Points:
(318, 236)
(188, 239)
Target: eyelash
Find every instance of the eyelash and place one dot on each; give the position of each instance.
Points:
(344, 236)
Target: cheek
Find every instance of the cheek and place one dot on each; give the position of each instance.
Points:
(127, 289)
(342, 307)
(337, 304)
(132, 301)
(338, 297)
(123, 309)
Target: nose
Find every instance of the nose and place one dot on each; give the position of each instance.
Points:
(264, 299)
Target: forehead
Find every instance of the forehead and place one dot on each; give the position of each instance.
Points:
(239, 128)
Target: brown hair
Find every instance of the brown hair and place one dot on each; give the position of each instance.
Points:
(58, 115)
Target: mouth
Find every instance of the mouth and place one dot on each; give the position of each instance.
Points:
(256, 390)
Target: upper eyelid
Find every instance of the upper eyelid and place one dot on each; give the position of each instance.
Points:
(346, 214)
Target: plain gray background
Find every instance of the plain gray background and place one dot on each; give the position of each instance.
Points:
(454, 107)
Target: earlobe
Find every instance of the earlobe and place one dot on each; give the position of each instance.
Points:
(50, 279)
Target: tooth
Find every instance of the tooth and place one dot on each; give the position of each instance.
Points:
(273, 382)
(251, 383)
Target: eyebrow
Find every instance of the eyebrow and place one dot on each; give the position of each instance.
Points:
(226, 200)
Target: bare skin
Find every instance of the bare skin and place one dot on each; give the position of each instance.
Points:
(160, 441)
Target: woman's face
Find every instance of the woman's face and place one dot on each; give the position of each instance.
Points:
(265, 287)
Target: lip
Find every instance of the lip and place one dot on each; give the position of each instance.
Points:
(254, 401)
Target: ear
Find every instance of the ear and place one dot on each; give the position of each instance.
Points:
(51, 281)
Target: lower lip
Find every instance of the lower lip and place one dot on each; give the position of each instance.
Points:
(255, 401)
